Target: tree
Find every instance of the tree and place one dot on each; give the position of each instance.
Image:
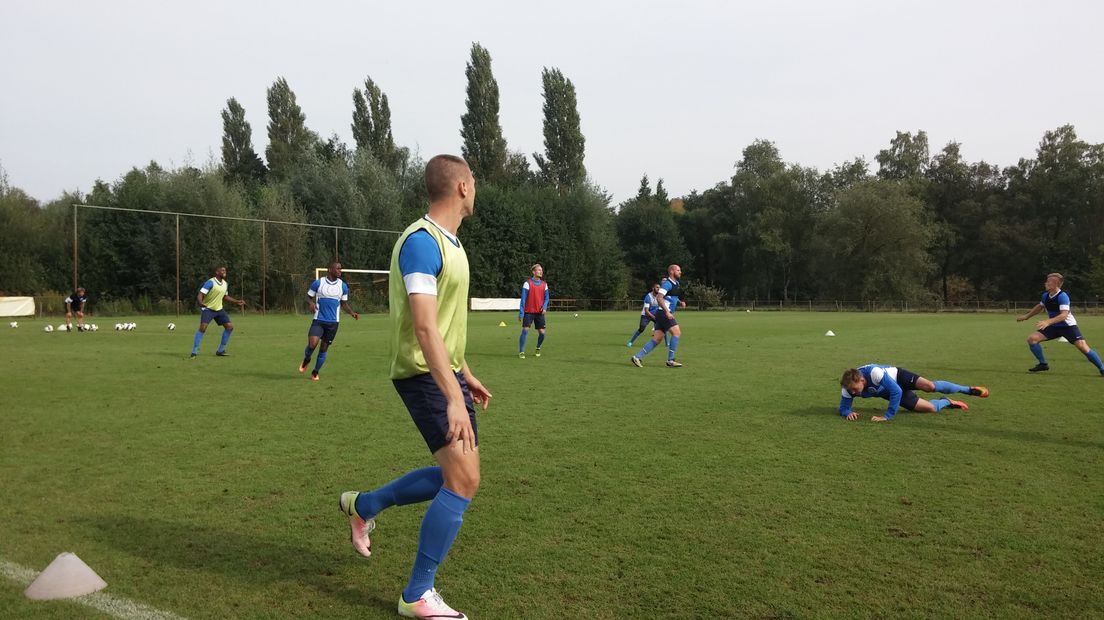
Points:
(239, 161)
(562, 162)
(906, 157)
(372, 123)
(484, 147)
(288, 137)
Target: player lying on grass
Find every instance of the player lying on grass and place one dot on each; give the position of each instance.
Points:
(896, 385)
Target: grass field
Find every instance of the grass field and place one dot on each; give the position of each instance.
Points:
(727, 488)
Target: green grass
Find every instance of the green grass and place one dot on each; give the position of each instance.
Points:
(728, 488)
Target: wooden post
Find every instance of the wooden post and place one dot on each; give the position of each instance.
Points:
(264, 269)
(75, 279)
(178, 265)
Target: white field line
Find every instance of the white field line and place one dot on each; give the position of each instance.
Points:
(115, 606)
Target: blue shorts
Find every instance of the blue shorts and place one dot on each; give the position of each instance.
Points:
(321, 329)
(429, 408)
(219, 316)
(1071, 332)
(663, 323)
(533, 318)
(644, 320)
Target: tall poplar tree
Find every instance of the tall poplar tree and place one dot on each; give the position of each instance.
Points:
(484, 147)
(288, 136)
(372, 122)
(562, 162)
(239, 161)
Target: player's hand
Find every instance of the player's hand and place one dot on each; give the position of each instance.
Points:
(854, 415)
(1042, 325)
(459, 426)
(1021, 318)
(519, 319)
(241, 302)
(479, 394)
(356, 316)
(313, 308)
(879, 418)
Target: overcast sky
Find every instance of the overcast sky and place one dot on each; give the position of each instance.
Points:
(673, 89)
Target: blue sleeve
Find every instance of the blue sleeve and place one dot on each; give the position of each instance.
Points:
(209, 284)
(666, 285)
(845, 405)
(1063, 299)
(524, 296)
(1042, 298)
(420, 254)
(547, 292)
(314, 286)
(895, 395)
(344, 288)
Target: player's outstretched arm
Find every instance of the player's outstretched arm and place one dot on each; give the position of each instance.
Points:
(895, 394)
(348, 310)
(240, 302)
(1036, 310)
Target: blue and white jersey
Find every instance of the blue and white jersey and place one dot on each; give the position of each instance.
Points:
(328, 294)
(672, 292)
(420, 260)
(650, 305)
(1056, 304)
(881, 381)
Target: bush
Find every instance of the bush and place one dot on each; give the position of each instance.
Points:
(704, 296)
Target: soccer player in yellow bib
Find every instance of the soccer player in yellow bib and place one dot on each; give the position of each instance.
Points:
(210, 298)
(429, 316)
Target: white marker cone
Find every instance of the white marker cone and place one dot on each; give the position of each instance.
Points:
(66, 577)
(829, 333)
(1062, 339)
(502, 323)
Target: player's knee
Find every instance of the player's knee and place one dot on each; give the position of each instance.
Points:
(463, 483)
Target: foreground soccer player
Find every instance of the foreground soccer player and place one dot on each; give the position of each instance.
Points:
(1060, 324)
(210, 298)
(647, 313)
(332, 294)
(428, 299)
(534, 302)
(668, 298)
(896, 385)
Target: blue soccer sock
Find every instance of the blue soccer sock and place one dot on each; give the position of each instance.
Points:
(672, 348)
(1094, 357)
(940, 403)
(307, 353)
(321, 360)
(648, 346)
(540, 339)
(946, 387)
(198, 339)
(225, 338)
(1037, 349)
(411, 488)
(442, 522)
(521, 349)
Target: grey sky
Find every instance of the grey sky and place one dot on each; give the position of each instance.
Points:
(672, 89)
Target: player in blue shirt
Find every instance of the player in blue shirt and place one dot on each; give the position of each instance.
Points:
(647, 313)
(665, 324)
(326, 296)
(896, 385)
(1060, 324)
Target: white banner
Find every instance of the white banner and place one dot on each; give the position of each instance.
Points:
(495, 303)
(17, 306)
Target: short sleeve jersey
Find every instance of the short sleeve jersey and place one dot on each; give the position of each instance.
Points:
(328, 295)
(213, 291)
(76, 300)
(1056, 304)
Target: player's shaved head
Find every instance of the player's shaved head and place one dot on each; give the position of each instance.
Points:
(442, 173)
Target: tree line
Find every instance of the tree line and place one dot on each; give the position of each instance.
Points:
(920, 227)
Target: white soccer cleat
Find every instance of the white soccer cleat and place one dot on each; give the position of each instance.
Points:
(429, 605)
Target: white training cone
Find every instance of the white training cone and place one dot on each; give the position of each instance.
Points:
(829, 333)
(502, 323)
(66, 577)
(1062, 339)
